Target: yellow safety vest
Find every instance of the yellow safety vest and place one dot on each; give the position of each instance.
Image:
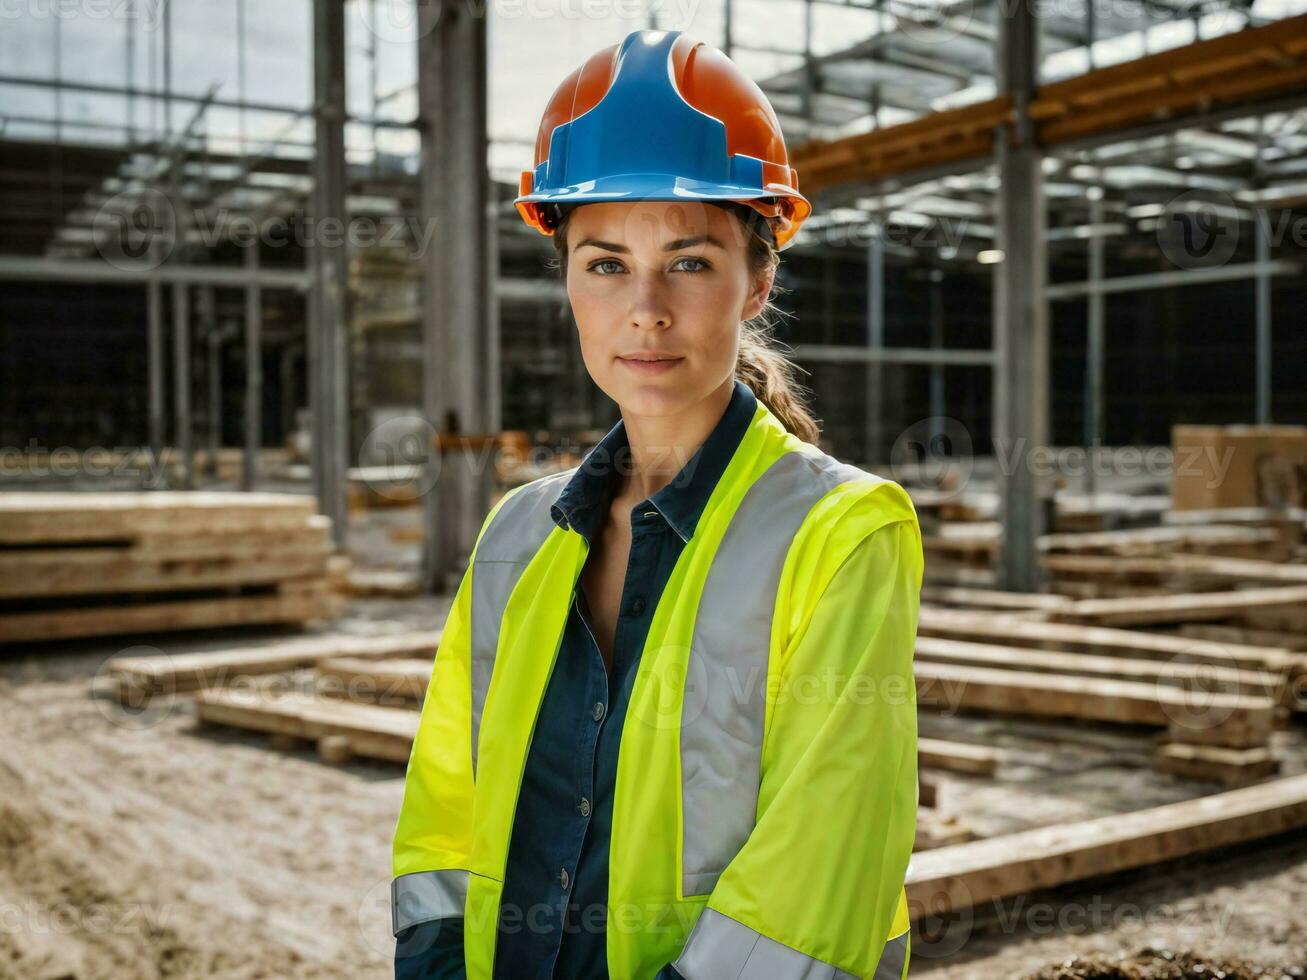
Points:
(766, 795)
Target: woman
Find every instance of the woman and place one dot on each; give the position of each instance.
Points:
(671, 725)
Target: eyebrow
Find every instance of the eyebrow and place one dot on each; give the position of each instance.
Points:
(671, 246)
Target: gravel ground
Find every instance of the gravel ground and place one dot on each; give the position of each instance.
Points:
(138, 847)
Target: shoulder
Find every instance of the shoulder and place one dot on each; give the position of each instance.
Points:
(855, 509)
(852, 500)
(520, 517)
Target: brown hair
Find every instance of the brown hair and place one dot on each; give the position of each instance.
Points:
(770, 375)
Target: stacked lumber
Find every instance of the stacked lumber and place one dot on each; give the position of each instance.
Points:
(97, 564)
(1187, 557)
(1216, 703)
(962, 554)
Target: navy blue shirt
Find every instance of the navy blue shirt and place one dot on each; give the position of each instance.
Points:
(553, 910)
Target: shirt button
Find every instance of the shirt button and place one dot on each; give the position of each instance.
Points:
(637, 605)
(598, 711)
(562, 876)
(585, 807)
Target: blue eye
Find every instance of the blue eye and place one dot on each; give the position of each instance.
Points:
(702, 264)
(596, 265)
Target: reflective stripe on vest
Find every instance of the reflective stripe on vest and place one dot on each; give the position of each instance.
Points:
(719, 946)
(425, 896)
(510, 542)
(726, 677)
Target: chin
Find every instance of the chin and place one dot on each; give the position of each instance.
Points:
(652, 398)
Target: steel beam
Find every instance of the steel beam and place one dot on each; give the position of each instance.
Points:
(1179, 277)
(842, 354)
(45, 269)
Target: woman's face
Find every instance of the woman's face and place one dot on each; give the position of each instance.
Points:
(662, 278)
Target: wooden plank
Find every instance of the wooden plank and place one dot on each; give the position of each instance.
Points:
(401, 682)
(965, 624)
(1196, 678)
(1179, 566)
(31, 518)
(1245, 635)
(992, 598)
(1207, 538)
(389, 582)
(979, 760)
(1219, 719)
(145, 676)
(1186, 607)
(1233, 767)
(154, 617)
(966, 875)
(106, 571)
(311, 535)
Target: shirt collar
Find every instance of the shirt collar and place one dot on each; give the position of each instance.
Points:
(583, 503)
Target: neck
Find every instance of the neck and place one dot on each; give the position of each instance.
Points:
(662, 445)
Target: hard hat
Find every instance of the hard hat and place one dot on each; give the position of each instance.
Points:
(661, 117)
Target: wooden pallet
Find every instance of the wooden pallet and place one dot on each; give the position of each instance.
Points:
(340, 728)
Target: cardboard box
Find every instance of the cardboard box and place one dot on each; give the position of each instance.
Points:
(1216, 466)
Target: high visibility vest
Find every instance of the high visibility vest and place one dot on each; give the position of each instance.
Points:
(735, 851)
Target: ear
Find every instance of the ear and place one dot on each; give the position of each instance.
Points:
(762, 287)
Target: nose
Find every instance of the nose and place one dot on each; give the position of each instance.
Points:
(649, 305)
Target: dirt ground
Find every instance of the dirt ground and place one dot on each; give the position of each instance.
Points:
(135, 847)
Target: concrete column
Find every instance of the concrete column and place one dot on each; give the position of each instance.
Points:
(460, 370)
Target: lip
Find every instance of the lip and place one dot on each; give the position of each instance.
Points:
(663, 362)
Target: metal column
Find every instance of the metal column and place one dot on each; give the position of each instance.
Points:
(253, 369)
(181, 347)
(1262, 312)
(328, 260)
(460, 367)
(1097, 340)
(1020, 309)
(876, 342)
(207, 316)
(155, 357)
